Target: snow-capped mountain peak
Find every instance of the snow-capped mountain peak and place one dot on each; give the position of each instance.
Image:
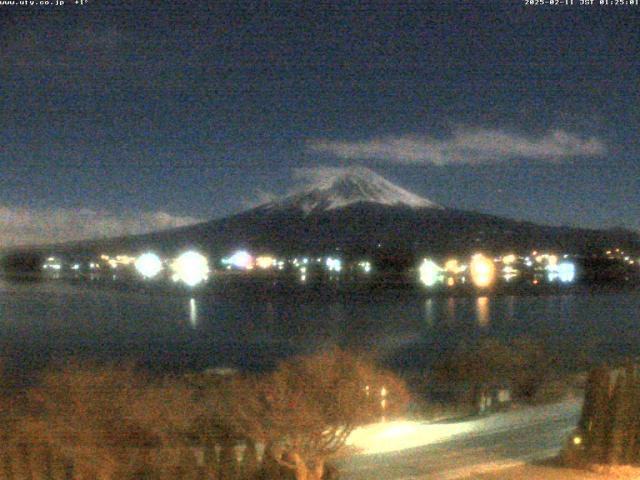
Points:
(333, 188)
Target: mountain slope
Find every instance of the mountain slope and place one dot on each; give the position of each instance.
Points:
(357, 212)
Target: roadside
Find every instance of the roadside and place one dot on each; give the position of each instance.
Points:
(552, 470)
(449, 450)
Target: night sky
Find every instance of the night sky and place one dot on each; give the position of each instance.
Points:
(129, 116)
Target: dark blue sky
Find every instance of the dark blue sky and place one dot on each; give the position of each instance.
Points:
(189, 108)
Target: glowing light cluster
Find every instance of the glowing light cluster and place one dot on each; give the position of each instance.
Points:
(52, 263)
(148, 265)
(190, 268)
(509, 259)
(430, 273)
(549, 259)
(264, 262)
(509, 273)
(453, 266)
(300, 261)
(333, 264)
(240, 259)
(482, 270)
(564, 271)
(118, 260)
(365, 266)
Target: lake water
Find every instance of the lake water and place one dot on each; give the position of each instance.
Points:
(173, 331)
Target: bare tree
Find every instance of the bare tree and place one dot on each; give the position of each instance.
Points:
(168, 414)
(481, 365)
(305, 410)
(111, 422)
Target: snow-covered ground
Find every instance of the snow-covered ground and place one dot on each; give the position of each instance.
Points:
(451, 450)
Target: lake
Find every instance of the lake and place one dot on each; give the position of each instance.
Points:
(173, 331)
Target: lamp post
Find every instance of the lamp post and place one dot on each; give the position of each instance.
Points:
(383, 402)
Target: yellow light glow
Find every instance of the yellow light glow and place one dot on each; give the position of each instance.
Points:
(452, 266)
(482, 271)
(508, 259)
(451, 282)
(125, 259)
(552, 260)
(265, 262)
(482, 311)
(577, 440)
(191, 268)
(386, 437)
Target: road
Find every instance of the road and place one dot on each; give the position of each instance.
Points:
(447, 451)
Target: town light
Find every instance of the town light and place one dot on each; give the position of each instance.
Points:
(333, 264)
(240, 259)
(509, 259)
(429, 273)
(564, 271)
(452, 266)
(52, 263)
(567, 272)
(148, 265)
(191, 268)
(193, 312)
(365, 266)
(264, 262)
(482, 270)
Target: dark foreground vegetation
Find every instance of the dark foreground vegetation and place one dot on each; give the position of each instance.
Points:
(609, 428)
(96, 422)
(485, 375)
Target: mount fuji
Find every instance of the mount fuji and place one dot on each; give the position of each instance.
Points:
(357, 212)
(335, 188)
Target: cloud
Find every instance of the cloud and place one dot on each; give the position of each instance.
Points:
(465, 146)
(260, 197)
(23, 226)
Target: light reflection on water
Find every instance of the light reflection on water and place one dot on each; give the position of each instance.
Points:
(255, 327)
(457, 311)
(193, 312)
(510, 307)
(482, 311)
(428, 311)
(451, 310)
